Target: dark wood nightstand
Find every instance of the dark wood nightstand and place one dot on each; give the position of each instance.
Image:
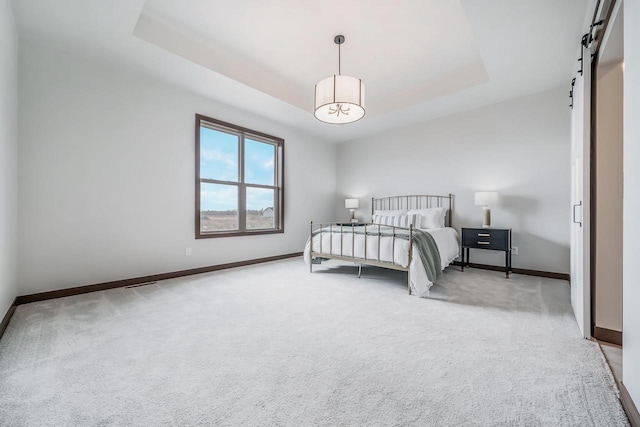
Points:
(495, 239)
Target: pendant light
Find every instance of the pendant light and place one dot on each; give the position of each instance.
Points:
(339, 99)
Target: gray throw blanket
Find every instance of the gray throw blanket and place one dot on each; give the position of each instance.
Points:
(424, 243)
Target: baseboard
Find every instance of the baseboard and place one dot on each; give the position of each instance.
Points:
(629, 407)
(607, 335)
(538, 273)
(7, 317)
(547, 274)
(42, 296)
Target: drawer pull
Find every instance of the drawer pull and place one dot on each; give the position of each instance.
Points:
(484, 235)
(484, 243)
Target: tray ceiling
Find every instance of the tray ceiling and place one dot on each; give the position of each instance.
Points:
(418, 59)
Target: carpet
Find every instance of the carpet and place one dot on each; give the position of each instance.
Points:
(274, 345)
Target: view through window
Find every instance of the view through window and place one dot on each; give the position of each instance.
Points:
(239, 180)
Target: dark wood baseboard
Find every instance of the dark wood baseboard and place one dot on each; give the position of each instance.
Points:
(538, 273)
(629, 407)
(607, 335)
(7, 317)
(547, 274)
(25, 299)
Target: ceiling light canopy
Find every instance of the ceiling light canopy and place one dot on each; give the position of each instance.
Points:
(339, 99)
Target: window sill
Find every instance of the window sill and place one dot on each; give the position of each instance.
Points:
(236, 233)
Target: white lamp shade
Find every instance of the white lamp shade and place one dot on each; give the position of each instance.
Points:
(486, 198)
(351, 203)
(339, 100)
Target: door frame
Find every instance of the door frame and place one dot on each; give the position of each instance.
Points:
(611, 6)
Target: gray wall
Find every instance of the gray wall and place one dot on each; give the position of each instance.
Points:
(8, 156)
(631, 215)
(608, 309)
(519, 148)
(106, 175)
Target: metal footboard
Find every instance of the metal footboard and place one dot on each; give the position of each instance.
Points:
(370, 231)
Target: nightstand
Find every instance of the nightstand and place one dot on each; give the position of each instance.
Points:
(495, 239)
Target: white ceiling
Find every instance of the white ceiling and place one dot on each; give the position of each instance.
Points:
(418, 59)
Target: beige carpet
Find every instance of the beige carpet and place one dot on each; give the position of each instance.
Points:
(275, 345)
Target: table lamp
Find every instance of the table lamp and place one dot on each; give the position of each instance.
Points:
(486, 199)
(352, 205)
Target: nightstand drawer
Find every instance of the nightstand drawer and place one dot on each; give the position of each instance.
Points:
(486, 238)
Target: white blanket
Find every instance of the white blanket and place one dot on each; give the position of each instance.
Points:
(390, 250)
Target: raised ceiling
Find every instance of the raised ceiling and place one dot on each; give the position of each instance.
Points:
(419, 59)
(284, 48)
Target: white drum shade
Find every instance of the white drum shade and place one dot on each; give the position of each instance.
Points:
(486, 198)
(351, 203)
(339, 100)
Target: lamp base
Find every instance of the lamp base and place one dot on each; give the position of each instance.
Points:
(486, 217)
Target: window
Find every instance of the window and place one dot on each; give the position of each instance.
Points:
(239, 180)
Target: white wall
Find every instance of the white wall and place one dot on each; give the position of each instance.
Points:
(608, 183)
(520, 148)
(631, 278)
(106, 168)
(8, 156)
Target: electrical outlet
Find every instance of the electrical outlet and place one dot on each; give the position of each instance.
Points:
(187, 252)
(514, 250)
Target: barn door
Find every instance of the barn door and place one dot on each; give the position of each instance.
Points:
(580, 188)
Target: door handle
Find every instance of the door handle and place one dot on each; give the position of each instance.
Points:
(574, 213)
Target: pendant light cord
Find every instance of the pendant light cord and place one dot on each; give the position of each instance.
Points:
(339, 60)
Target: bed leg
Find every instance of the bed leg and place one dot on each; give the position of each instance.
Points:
(359, 270)
(409, 282)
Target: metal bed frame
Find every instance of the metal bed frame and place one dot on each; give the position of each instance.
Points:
(385, 203)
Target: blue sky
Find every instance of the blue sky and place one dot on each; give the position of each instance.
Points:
(219, 160)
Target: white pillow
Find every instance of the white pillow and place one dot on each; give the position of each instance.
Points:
(398, 220)
(431, 217)
(390, 213)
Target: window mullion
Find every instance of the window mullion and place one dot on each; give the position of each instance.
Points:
(268, 187)
(242, 193)
(218, 181)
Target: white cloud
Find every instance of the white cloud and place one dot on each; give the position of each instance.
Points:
(218, 197)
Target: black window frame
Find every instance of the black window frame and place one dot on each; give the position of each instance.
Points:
(278, 188)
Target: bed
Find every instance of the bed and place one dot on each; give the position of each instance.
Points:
(406, 233)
